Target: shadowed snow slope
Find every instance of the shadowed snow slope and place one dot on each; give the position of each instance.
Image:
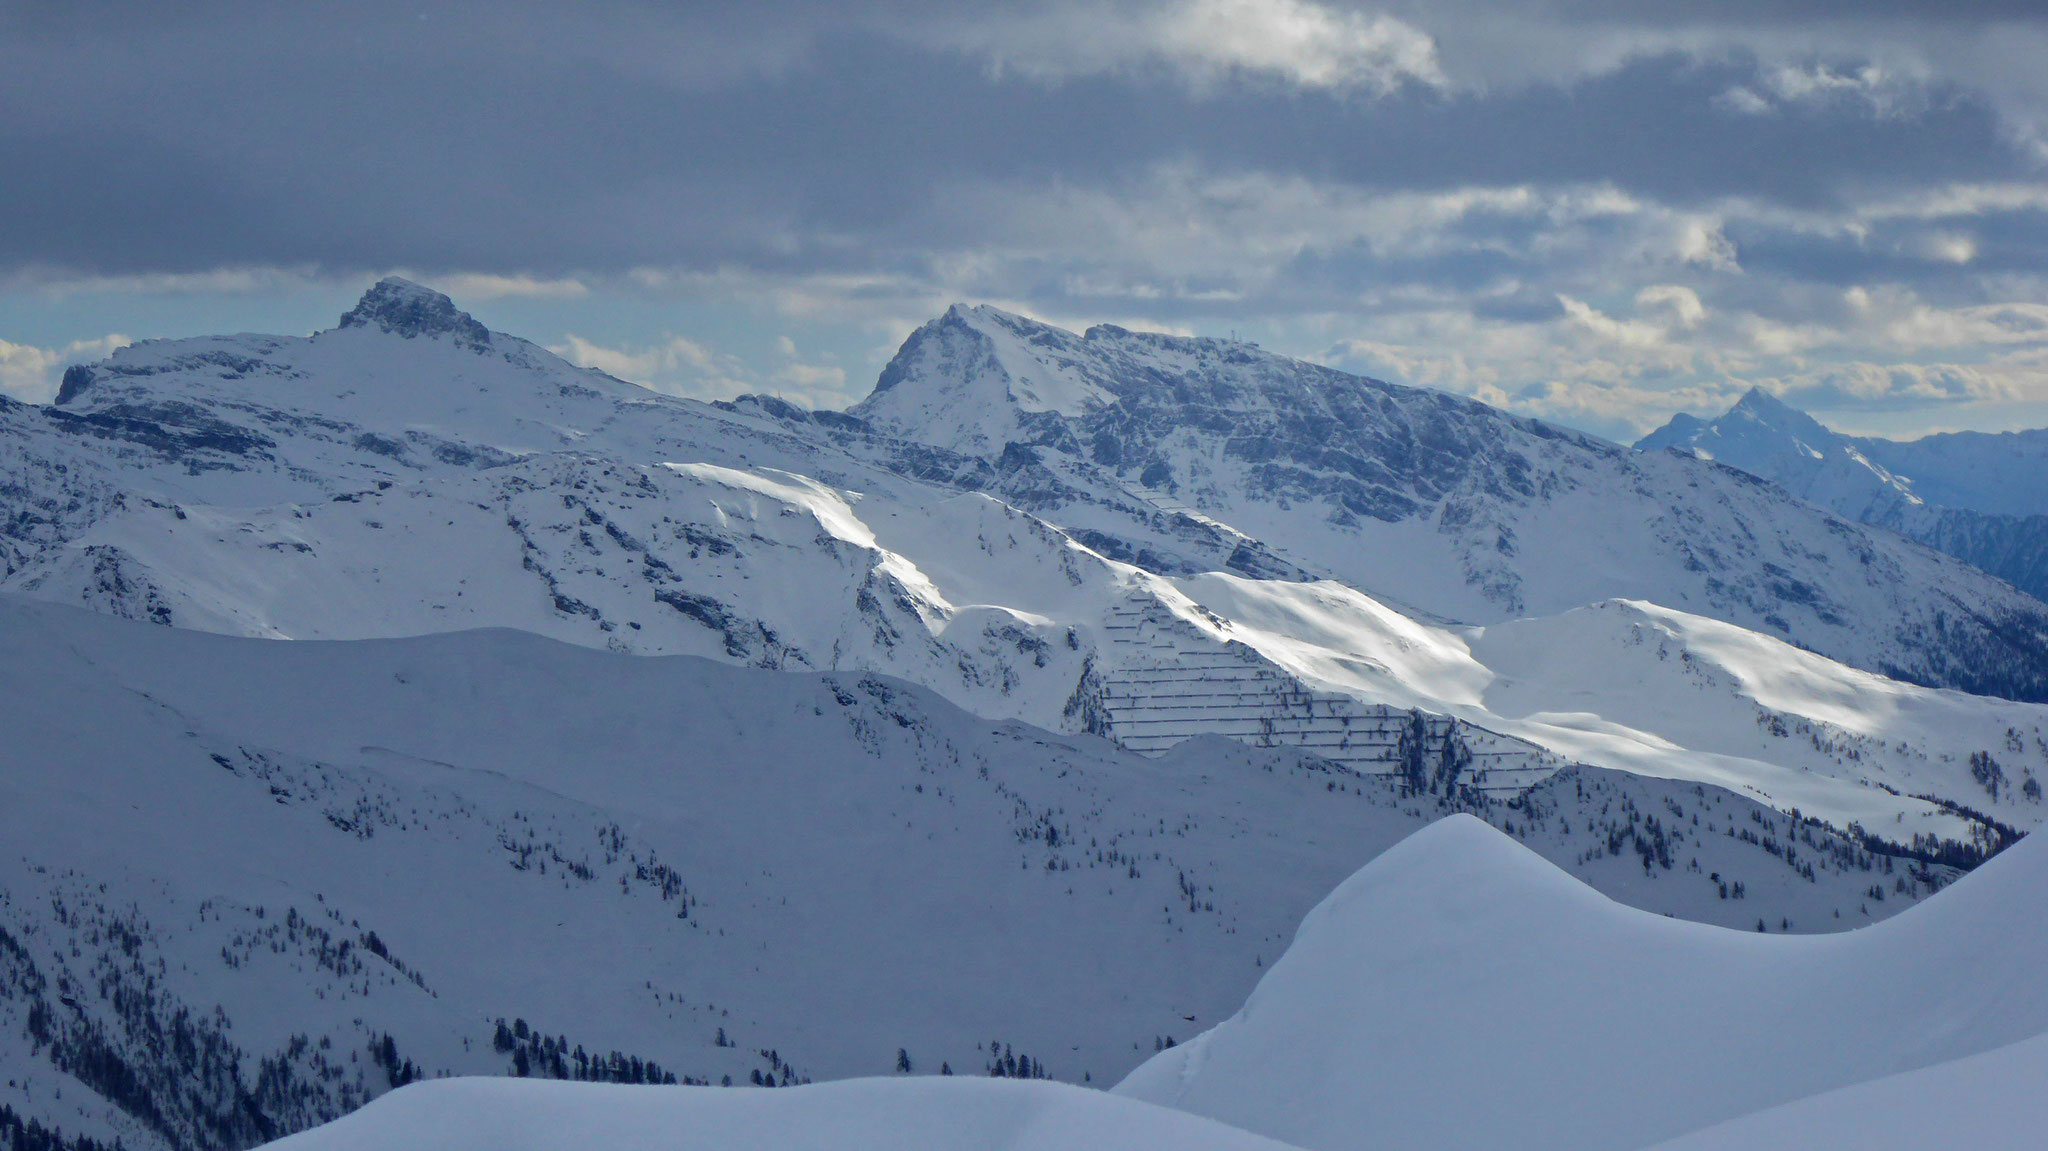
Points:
(1460, 992)
(1988, 1102)
(303, 854)
(925, 1114)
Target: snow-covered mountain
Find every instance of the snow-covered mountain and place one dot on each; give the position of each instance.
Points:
(1425, 500)
(1460, 992)
(249, 885)
(2005, 473)
(409, 472)
(1979, 497)
(741, 742)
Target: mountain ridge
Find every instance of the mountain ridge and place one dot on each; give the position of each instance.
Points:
(1972, 495)
(363, 483)
(1491, 516)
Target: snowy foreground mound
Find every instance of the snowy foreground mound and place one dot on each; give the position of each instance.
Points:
(1988, 1101)
(958, 1114)
(1460, 992)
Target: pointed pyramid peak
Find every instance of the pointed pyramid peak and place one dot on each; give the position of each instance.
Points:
(1767, 409)
(1756, 399)
(1762, 405)
(403, 308)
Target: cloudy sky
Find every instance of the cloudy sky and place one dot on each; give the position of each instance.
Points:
(1598, 211)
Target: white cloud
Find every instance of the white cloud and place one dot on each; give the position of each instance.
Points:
(1680, 302)
(1628, 333)
(219, 282)
(1950, 247)
(1701, 241)
(1299, 42)
(482, 286)
(683, 367)
(1885, 90)
(676, 366)
(1744, 100)
(31, 374)
(1305, 42)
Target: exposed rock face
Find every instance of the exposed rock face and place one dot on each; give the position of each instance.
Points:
(404, 308)
(1140, 443)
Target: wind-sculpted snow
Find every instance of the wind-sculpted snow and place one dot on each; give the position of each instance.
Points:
(1430, 501)
(1975, 496)
(332, 867)
(861, 1115)
(1460, 992)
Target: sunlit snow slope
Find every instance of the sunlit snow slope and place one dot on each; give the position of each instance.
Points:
(1460, 992)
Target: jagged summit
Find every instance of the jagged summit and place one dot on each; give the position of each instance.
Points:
(1757, 400)
(1756, 418)
(403, 308)
(1768, 409)
(977, 378)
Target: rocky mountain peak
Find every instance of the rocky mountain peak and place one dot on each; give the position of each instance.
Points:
(1766, 408)
(403, 308)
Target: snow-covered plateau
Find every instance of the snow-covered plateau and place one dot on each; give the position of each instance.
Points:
(1006, 725)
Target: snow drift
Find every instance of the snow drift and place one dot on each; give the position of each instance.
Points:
(923, 1114)
(1460, 992)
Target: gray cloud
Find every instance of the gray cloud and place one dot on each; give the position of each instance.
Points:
(1404, 190)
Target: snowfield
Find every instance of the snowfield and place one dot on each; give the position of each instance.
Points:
(1457, 992)
(924, 1114)
(1992, 1101)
